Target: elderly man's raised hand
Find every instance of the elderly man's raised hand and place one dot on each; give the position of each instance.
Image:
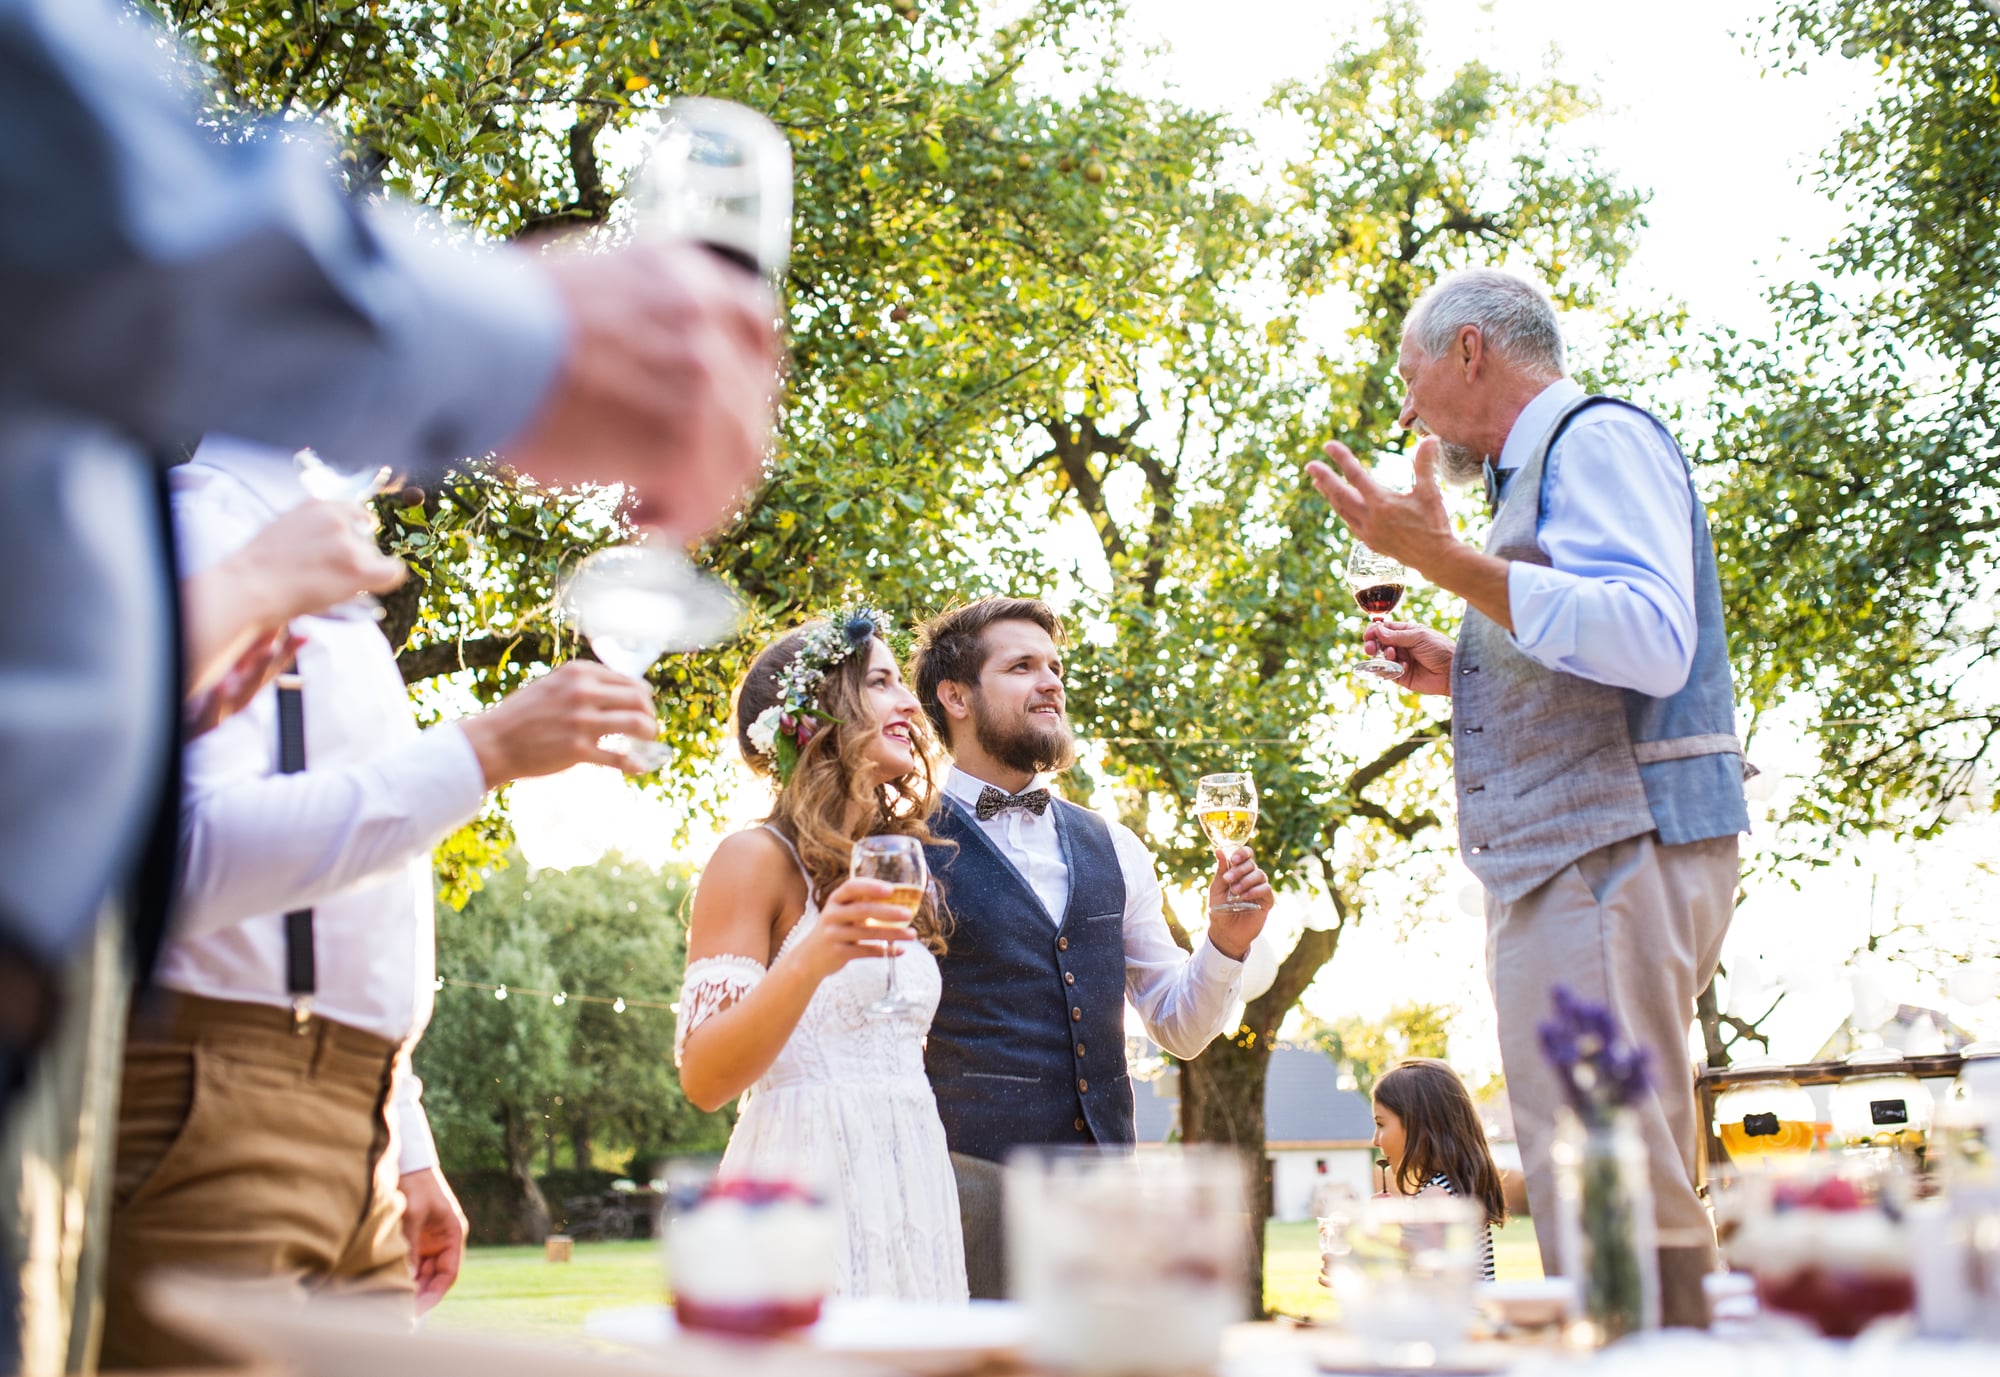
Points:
(1411, 527)
(668, 385)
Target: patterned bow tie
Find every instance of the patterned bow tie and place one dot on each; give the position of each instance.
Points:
(1496, 484)
(992, 802)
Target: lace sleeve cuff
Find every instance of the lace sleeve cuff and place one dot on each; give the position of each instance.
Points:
(712, 984)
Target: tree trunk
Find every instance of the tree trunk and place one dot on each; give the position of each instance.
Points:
(1222, 1102)
(519, 1145)
(579, 1140)
(1708, 1012)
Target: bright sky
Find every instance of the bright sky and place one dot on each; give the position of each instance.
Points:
(1724, 146)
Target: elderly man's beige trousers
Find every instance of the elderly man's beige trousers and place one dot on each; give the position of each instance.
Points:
(247, 1149)
(1636, 926)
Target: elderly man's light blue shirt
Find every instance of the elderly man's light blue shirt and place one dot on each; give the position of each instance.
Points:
(1616, 603)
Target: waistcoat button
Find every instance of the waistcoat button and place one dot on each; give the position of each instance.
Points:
(1082, 1086)
(1062, 944)
(1079, 1125)
(1069, 977)
(1079, 1049)
(1076, 1015)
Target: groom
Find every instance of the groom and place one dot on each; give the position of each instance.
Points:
(1056, 921)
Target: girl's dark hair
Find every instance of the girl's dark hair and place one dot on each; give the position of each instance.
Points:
(1442, 1135)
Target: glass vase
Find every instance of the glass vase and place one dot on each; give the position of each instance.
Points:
(1606, 1239)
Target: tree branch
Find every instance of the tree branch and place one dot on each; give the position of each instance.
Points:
(476, 652)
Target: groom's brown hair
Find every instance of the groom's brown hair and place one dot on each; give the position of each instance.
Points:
(952, 646)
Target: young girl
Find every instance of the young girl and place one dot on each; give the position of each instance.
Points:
(1426, 1127)
(783, 963)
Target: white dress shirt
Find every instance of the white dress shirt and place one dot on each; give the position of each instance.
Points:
(1183, 999)
(1616, 604)
(350, 837)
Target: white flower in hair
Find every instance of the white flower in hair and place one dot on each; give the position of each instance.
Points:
(763, 732)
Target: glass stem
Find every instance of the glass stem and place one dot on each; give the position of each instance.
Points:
(889, 992)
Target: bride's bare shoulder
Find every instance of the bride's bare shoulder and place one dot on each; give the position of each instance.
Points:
(753, 863)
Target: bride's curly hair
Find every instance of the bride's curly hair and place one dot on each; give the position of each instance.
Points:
(832, 771)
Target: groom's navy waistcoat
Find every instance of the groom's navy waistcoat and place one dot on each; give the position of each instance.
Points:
(1028, 1045)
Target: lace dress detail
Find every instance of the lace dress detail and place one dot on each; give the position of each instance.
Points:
(847, 1109)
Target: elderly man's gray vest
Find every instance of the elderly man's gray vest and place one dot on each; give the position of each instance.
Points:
(1551, 767)
(1028, 1044)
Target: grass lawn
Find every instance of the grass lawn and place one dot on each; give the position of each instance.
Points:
(516, 1293)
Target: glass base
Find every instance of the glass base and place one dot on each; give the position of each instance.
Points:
(1382, 672)
(1233, 906)
(647, 755)
(890, 1006)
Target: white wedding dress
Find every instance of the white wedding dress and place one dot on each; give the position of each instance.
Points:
(846, 1109)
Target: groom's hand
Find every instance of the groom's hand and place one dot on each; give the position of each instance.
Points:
(1425, 655)
(1237, 877)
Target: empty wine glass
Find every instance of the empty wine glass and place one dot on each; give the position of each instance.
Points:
(326, 483)
(634, 603)
(1226, 807)
(1377, 583)
(899, 863)
(719, 174)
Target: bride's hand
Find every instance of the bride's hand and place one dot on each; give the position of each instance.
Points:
(854, 924)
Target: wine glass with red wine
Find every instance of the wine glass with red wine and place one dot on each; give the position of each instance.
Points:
(1377, 583)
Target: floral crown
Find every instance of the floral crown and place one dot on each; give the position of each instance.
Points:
(781, 731)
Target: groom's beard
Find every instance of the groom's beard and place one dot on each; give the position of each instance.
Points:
(1033, 745)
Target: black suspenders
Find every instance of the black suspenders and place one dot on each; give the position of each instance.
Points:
(300, 977)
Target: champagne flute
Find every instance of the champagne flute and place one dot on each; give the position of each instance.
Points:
(899, 862)
(326, 483)
(634, 603)
(1377, 583)
(719, 174)
(1226, 807)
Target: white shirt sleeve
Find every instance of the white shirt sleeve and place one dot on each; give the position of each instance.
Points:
(1616, 605)
(415, 1148)
(1182, 999)
(271, 843)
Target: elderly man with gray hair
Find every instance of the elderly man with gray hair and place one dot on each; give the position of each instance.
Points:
(1599, 776)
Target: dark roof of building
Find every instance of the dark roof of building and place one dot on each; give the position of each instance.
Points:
(1303, 1102)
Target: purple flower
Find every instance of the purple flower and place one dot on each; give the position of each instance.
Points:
(1601, 1072)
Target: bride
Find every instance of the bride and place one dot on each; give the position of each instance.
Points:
(783, 962)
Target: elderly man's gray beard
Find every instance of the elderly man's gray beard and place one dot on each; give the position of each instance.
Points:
(1463, 465)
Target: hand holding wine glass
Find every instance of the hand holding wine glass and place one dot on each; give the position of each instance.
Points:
(1377, 583)
(328, 484)
(1226, 807)
(898, 862)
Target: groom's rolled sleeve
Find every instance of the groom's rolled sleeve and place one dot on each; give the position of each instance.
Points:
(1183, 999)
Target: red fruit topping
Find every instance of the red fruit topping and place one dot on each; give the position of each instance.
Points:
(763, 1320)
(1841, 1304)
(753, 1191)
(1835, 1193)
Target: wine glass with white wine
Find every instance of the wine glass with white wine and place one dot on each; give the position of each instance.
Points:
(325, 483)
(635, 603)
(1226, 807)
(899, 863)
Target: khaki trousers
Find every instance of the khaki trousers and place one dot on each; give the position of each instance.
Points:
(1636, 926)
(248, 1149)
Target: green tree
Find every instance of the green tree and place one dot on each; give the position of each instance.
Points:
(617, 928)
(1365, 1048)
(495, 1069)
(580, 1049)
(1858, 449)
